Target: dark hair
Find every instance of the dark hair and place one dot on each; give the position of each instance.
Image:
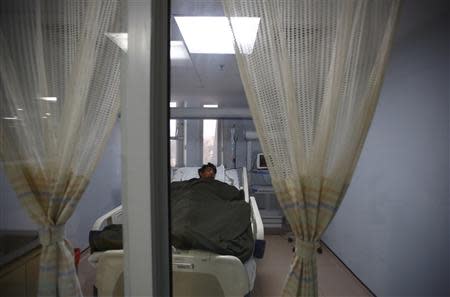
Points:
(203, 168)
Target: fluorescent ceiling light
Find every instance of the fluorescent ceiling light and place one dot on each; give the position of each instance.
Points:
(51, 99)
(48, 114)
(212, 35)
(178, 51)
(20, 109)
(173, 104)
(211, 105)
(11, 118)
(121, 39)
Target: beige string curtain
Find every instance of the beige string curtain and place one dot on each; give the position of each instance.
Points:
(312, 81)
(59, 82)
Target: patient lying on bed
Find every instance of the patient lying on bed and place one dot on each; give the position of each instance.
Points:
(208, 214)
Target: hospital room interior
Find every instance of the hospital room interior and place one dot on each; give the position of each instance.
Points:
(224, 148)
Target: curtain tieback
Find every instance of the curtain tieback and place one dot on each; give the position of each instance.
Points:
(305, 249)
(49, 235)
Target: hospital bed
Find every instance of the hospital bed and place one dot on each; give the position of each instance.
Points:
(195, 272)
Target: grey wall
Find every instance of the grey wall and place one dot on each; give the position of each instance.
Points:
(12, 216)
(392, 229)
(102, 195)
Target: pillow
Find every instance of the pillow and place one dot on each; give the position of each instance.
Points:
(186, 173)
(232, 178)
(220, 175)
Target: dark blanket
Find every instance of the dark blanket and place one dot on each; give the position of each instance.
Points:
(110, 238)
(210, 215)
(206, 214)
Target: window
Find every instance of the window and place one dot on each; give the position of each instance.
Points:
(173, 139)
(210, 138)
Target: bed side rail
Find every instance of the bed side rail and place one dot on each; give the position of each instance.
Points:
(245, 184)
(112, 217)
(189, 268)
(258, 230)
(257, 220)
(228, 271)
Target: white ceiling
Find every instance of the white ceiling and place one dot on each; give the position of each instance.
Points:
(205, 78)
(201, 80)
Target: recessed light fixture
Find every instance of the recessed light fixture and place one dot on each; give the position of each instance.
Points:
(211, 105)
(121, 39)
(213, 35)
(20, 109)
(48, 114)
(51, 99)
(178, 50)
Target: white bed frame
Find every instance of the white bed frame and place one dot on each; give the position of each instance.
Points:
(195, 272)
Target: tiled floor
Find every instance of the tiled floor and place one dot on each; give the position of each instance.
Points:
(334, 278)
(86, 275)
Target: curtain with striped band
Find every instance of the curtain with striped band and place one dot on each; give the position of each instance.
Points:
(312, 78)
(59, 99)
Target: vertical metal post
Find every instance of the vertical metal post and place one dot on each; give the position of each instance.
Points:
(160, 146)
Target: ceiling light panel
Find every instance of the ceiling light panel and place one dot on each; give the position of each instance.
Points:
(212, 35)
(50, 99)
(178, 51)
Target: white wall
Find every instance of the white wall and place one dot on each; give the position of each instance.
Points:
(103, 194)
(392, 229)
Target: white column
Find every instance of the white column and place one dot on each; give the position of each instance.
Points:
(144, 147)
(135, 107)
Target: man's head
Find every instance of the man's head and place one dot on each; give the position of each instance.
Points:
(207, 171)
